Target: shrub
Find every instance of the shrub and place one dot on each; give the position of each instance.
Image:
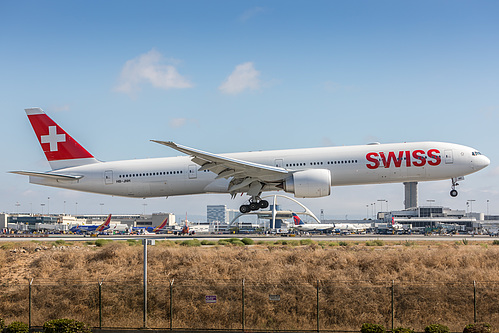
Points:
(2, 324)
(65, 326)
(248, 241)
(436, 328)
(478, 328)
(208, 242)
(495, 242)
(232, 240)
(307, 241)
(376, 242)
(60, 242)
(166, 243)
(342, 243)
(191, 242)
(403, 330)
(102, 242)
(16, 327)
(293, 242)
(372, 328)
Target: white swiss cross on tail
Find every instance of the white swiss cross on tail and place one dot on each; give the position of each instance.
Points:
(60, 149)
(53, 138)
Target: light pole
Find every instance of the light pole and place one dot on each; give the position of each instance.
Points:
(471, 204)
(144, 213)
(381, 204)
(487, 207)
(42, 207)
(17, 205)
(76, 208)
(48, 206)
(101, 204)
(367, 212)
(430, 201)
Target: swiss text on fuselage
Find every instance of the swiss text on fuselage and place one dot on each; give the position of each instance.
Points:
(407, 158)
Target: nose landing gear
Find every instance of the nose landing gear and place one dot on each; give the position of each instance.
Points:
(453, 192)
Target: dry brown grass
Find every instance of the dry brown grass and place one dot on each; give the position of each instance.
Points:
(433, 283)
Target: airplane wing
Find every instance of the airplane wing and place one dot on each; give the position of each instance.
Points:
(56, 176)
(247, 176)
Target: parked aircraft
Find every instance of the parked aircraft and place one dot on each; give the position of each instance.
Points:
(92, 228)
(300, 225)
(307, 173)
(152, 229)
(337, 227)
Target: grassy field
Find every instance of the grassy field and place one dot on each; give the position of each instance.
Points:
(355, 282)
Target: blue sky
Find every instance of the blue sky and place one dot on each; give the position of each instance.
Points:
(227, 76)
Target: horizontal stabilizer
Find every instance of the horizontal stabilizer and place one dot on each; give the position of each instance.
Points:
(55, 176)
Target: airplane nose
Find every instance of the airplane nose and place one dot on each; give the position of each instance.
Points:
(482, 162)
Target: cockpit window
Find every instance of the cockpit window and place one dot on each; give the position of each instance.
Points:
(476, 153)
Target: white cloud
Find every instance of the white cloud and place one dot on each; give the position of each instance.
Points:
(150, 68)
(248, 14)
(244, 77)
(495, 171)
(60, 108)
(177, 122)
(334, 87)
(331, 86)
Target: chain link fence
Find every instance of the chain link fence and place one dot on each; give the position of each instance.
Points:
(249, 305)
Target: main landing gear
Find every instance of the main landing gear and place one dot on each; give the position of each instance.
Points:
(255, 204)
(453, 192)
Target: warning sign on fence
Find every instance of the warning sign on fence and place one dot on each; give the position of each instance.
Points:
(275, 297)
(211, 298)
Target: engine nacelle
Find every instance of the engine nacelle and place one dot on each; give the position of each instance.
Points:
(311, 183)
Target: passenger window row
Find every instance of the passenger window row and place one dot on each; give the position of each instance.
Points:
(147, 174)
(321, 163)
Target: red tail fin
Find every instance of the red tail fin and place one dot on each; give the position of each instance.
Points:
(161, 226)
(105, 224)
(59, 147)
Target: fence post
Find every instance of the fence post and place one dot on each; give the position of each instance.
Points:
(318, 325)
(393, 302)
(144, 242)
(100, 304)
(474, 301)
(171, 304)
(29, 304)
(243, 313)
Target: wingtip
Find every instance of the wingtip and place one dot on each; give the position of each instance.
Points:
(166, 143)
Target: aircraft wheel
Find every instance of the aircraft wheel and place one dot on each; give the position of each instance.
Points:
(244, 209)
(254, 206)
(264, 204)
(453, 193)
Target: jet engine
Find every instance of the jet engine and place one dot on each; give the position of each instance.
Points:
(311, 183)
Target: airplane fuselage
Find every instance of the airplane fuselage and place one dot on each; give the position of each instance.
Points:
(348, 165)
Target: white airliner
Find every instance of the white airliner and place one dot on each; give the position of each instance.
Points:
(338, 227)
(307, 173)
